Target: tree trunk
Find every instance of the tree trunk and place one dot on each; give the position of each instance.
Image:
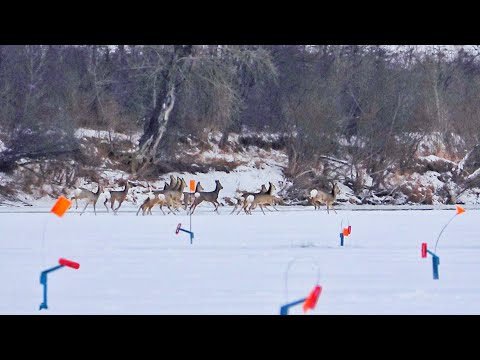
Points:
(157, 124)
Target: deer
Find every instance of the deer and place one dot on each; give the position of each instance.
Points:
(188, 197)
(207, 196)
(149, 203)
(318, 198)
(90, 196)
(158, 197)
(173, 197)
(241, 199)
(119, 195)
(260, 199)
(276, 200)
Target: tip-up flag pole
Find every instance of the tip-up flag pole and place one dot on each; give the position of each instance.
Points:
(460, 210)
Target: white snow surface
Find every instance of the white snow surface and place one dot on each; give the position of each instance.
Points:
(104, 134)
(237, 264)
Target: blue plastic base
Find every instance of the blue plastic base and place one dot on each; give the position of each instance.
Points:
(435, 264)
(188, 232)
(284, 308)
(43, 281)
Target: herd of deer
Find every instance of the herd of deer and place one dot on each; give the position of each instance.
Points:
(173, 194)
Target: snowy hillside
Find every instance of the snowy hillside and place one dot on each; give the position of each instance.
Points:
(249, 167)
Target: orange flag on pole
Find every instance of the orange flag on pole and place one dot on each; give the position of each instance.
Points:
(192, 185)
(460, 210)
(311, 300)
(61, 206)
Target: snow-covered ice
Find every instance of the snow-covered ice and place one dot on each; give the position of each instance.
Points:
(236, 265)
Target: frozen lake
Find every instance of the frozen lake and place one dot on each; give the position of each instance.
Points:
(236, 265)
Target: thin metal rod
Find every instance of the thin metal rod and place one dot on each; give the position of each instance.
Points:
(438, 238)
(290, 263)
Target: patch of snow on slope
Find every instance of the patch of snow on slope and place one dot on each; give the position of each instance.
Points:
(105, 135)
(471, 196)
(434, 158)
(252, 156)
(4, 179)
(429, 178)
(434, 144)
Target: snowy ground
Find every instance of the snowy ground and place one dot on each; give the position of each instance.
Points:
(236, 265)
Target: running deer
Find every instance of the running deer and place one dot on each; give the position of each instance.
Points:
(173, 197)
(158, 196)
(188, 197)
(207, 196)
(260, 199)
(320, 197)
(155, 197)
(244, 195)
(90, 196)
(118, 195)
(150, 202)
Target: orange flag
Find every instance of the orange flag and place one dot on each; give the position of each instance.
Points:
(346, 232)
(61, 206)
(311, 300)
(460, 210)
(192, 185)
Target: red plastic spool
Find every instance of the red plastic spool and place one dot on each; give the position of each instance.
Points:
(69, 263)
(311, 300)
(178, 228)
(424, 250)
(349, 229)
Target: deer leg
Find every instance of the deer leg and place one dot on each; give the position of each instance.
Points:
(242, 208)
(171, 210)
(261, 208)
(119, 204)
(236, 206)
(84, 209)
(94, 210)
(193, 207)
(217, 205)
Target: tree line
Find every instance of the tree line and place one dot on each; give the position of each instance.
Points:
(363, 107)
